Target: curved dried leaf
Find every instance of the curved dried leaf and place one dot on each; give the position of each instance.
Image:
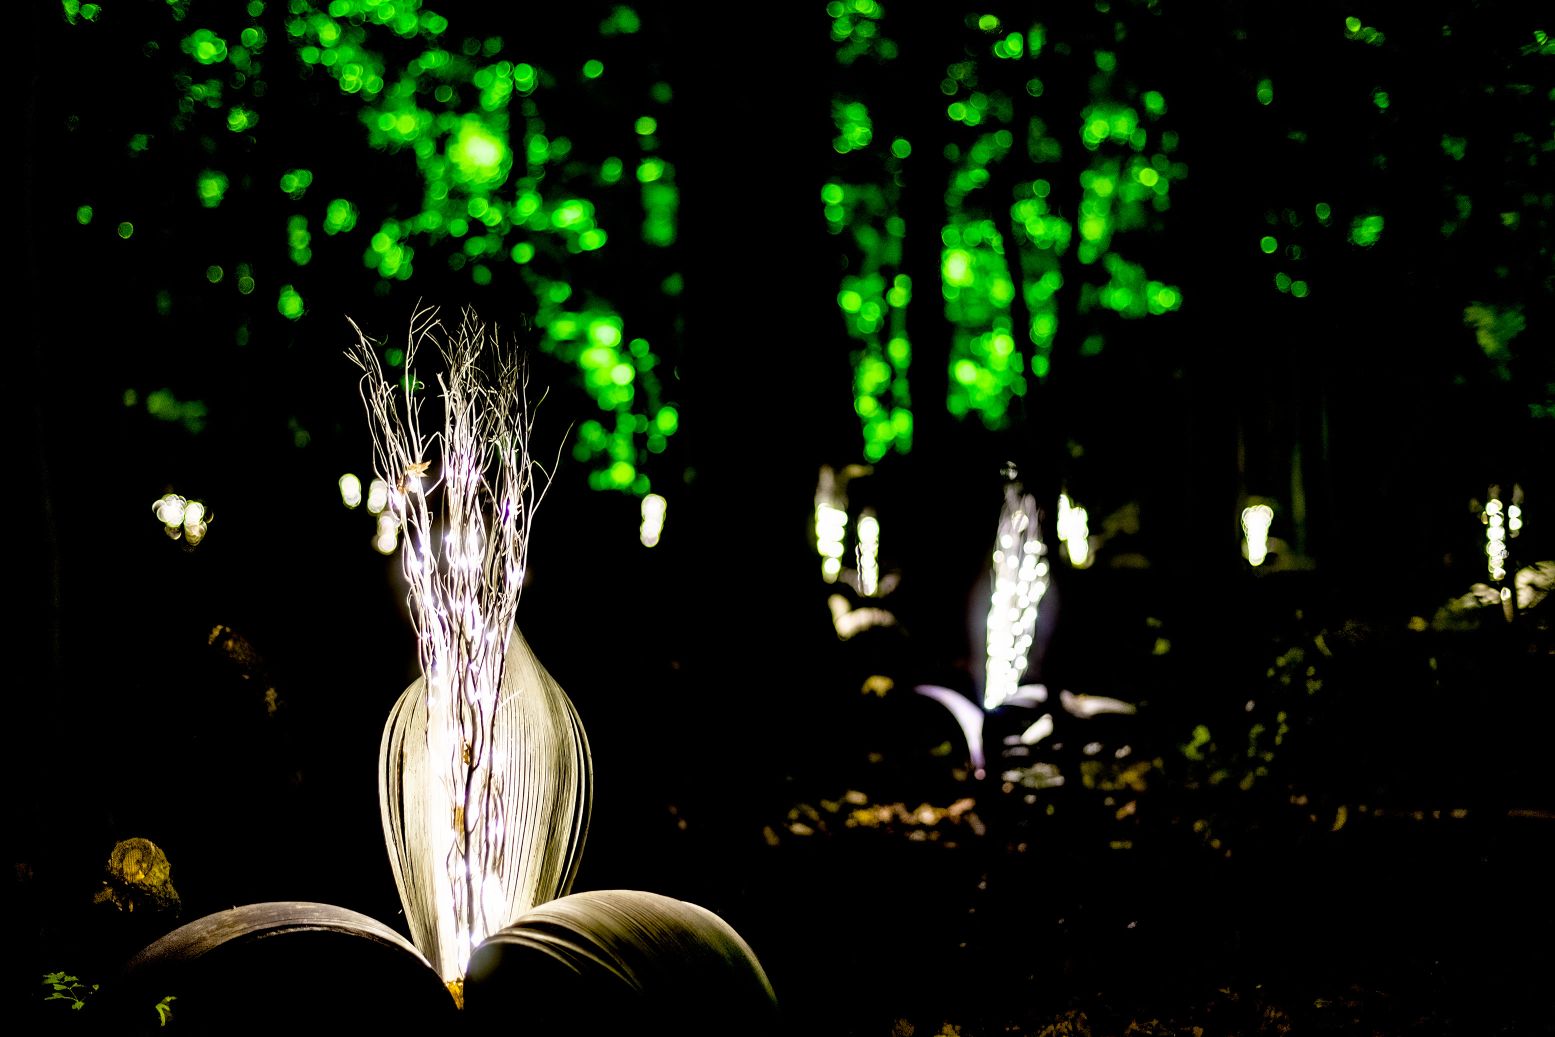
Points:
(531, 826)
(621, 961)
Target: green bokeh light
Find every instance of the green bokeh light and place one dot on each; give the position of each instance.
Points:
(212, 188)
(339, 216)
(1366, 230)
(289, 303)
(295, 183)
(621, 21)
(75, 11)
(480, 154)
(205, 47)
(240, 119)
(506, 197)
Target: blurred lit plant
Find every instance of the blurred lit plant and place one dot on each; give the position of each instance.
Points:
(861, 203)
(1011, 241)
(1020, 579)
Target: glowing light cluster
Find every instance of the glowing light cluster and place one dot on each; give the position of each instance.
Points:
(1502, 521)
(377, 496)
(295, 183)
(987, 369)
(351, 491)
(340, 217)
(855, 130)
(855, 28)
(181, 518)
(862, 207)
(654, 508)
(1074, 530)
(1128, 292)
(76, 12)
(1020, 578)
(299, 240)
(1255, 528)
(1124, 186)
(1044, 237)
(500, 192)
(1289, 222)
(986, 366)
(831, 524)
(500, 189)
(873, 304)
(620, 376)
(164, 406)
(384, 502)
(212, 187)
(660, 201)
(1368, 34)
(1365, 230)
(868, 554)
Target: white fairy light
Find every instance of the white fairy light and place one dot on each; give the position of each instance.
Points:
(653, 510)
(868, 554)
(386, 539)
(351, 491)
(1074, 530)
(377, 496)
(169, 511)
(1255, 526)
(1020, 577)
(831, 524)
(181, 518)
(830, 528)
(194, 523)
(1495, 537)
(463, 557)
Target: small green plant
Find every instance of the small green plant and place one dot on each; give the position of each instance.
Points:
(68, 988)
(165, 1009)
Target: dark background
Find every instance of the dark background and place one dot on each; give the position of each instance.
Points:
(715, 693)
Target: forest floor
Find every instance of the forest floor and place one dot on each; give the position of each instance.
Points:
(1348, 832)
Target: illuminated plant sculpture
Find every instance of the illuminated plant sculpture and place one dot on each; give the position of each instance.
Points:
(1018, 581)
(484, 778)
(484, 785)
